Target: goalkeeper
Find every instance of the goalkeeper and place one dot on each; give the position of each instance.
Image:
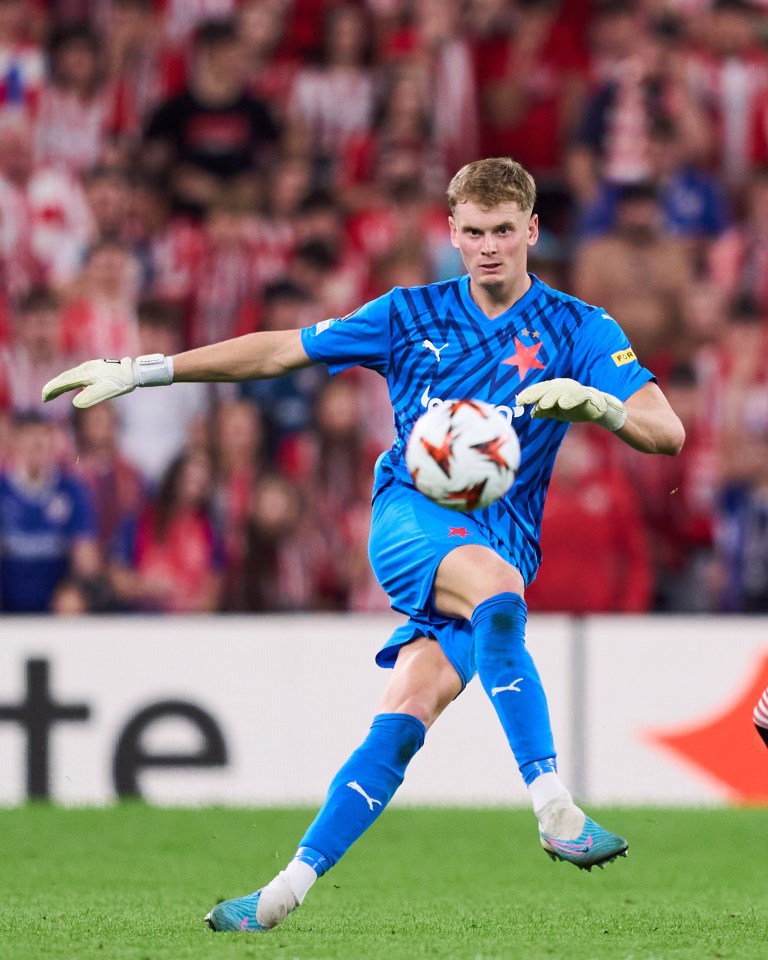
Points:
(501, 335)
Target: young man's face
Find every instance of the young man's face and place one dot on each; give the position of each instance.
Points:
(494, 242)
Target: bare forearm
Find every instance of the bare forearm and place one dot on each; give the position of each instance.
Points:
(652, 426)
(256, 356)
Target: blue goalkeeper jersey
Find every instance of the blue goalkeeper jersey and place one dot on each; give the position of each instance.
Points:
(434, 343)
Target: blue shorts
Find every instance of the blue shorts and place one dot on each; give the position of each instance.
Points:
(410, 536)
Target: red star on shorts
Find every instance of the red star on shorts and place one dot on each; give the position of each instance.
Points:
(525, 359)
(458, 532)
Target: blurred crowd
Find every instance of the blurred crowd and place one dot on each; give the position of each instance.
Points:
(174, 172)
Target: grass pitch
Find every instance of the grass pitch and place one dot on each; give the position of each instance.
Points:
(134, 882)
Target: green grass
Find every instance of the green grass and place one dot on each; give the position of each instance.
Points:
(134, 882)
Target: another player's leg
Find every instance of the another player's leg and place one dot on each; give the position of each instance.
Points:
(760, 716)
(423, 683)
(474, 582)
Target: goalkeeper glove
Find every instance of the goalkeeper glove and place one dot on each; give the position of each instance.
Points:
(571, 402)
(105, 379)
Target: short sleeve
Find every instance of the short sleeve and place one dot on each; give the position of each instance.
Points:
(603, 357)
(362, 338)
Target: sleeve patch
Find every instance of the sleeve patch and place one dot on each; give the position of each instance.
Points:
(623, 356)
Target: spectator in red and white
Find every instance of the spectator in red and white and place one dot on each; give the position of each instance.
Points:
(334, 99)
(116, 486)
(271, 68)
(79, 109)
(730, 76)
(531, 83)
(327, 262)
(108, 192)
(237, 450)
(22, 62)
(743, 414)
(213, 136)
(283, 551)
(225, 280)
(143, 66)
(34, 354)
(437, 47)
(432, 41)
(338, 484)
(679, 501)
(640, 76)
(588, 493)
(169, 248)
(19, 265)
(401, 144)
(738, 261)
(272, 231)
(406, 218)
(45, 223)
(170, 423)
(100, 318)
(169, 558)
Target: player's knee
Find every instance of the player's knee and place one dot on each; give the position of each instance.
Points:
(421, 707)
(468, 576)
(426, 703)
(500, 580)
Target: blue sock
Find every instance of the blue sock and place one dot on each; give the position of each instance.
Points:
(361, 789)
(509, 677)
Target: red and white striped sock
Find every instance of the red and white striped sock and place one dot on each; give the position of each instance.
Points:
(760, 716)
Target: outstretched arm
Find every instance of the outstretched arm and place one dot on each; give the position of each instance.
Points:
(256, 356)
(645, 420)
(252, 357)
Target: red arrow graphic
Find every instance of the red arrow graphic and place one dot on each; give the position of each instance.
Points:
(727, 745)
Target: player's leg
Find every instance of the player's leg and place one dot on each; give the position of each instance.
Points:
(760, 716)
(475, 583)
(422, 684)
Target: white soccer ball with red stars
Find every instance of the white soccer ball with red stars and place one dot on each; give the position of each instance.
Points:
(463, 454)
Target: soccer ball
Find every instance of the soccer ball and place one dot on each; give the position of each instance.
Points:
(463, 454)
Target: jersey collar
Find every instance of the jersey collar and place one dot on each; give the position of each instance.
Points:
(509, 315)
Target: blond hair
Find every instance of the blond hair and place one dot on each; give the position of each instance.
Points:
(492, 181)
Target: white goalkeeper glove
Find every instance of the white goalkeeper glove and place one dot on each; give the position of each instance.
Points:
(105, 379)
(571, 402)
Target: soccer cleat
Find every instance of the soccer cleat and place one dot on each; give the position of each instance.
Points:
(594, 847)
(233, 916)
(258, 911)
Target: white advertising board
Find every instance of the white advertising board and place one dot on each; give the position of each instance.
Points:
(668, 710)
(234, 710)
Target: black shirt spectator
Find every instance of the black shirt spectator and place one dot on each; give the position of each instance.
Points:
(212, 135)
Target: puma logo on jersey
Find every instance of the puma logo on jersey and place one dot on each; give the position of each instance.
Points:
(354, 785)
(428, 345)
(511, 686)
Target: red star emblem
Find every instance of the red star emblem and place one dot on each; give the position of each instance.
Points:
(491, 450)
(524, 358)
(442, 454)
(726, 745)
(458, 532)
(470, 495)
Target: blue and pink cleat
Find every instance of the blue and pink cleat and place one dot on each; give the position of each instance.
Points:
(594, 847)
(236, 916)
